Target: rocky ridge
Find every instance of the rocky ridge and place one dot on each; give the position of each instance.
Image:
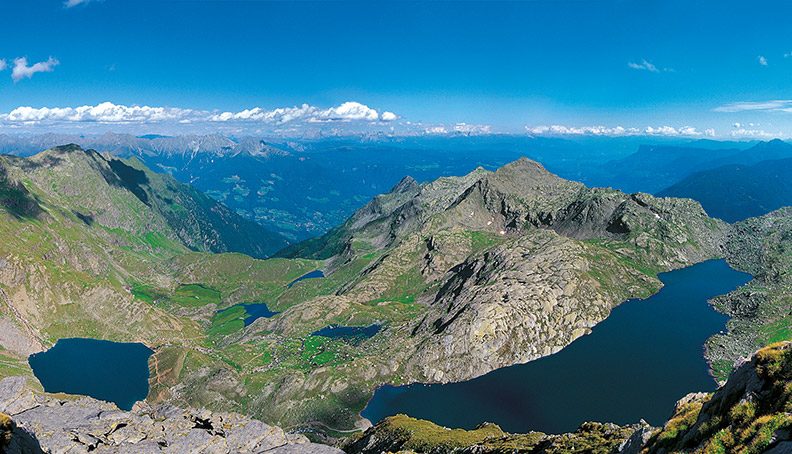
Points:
(60, 424)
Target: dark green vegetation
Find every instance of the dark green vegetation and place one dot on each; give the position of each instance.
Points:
(465, 274)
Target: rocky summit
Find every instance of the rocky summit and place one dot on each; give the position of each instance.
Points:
(40, 422)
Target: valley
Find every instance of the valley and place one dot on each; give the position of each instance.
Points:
(432, 227)
(464, 275)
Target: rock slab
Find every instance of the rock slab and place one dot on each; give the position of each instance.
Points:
(71, 424)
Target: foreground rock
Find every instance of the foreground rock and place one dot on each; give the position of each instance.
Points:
(401, 433)
(69, 424)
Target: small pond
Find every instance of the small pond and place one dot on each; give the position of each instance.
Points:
(250, 312)
(311, 275)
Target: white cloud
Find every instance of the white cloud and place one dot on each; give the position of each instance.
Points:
(22, 70)
(560, 130)
(388, 116)
(645, 65)
(105, 113)
(741, 133)
(762, 61)
(459, 128)
(3, 64)
(70, 3)
(108, 112)
(779, 105)
(346, 112)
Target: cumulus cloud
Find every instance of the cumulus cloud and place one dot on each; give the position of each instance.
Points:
(3, 64)
(779, 105)
(669, 131)
(762, 60)
(22, 70)
(346, 112)
(389, 116)
(104, 113)
(108, 112)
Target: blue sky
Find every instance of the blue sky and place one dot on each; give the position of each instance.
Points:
(722, 66)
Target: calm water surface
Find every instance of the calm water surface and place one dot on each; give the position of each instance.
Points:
(110, 371)
(336, 331)
(635, 364)
(311, 275)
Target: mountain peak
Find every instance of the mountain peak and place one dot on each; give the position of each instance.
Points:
(406, 184)
(523, 166)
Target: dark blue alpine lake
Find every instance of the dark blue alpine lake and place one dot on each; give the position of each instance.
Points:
(635, 364)
(336, 331)
(111, 371)
(312, 275)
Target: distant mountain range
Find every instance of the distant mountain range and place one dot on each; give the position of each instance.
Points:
(655, 167)
(303, 188)
(731, 184)
(735, 192)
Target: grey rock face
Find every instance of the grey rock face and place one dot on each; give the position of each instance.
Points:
(69, 424)
(636, 442)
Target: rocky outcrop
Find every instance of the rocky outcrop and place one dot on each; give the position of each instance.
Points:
(401, 433)
(520, 301)
(61, 424)
(759, 311)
